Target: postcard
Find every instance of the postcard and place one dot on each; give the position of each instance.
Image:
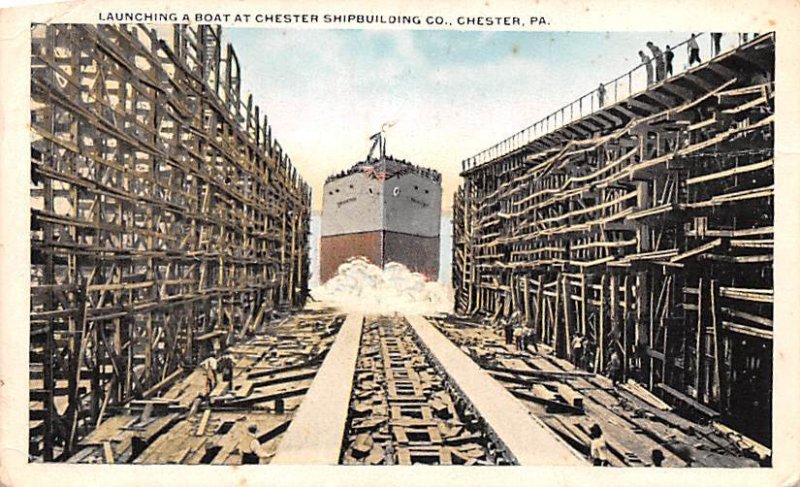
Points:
(480, 243)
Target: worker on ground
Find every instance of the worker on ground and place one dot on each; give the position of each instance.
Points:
(598, 448)
(648, 66)
(226, 365)
(658, 56)
(614, 369)
(577, 350)
(588, 353)
(530, 339)
(209, 367)
(518, 337)
(681, 450)
(515, 321)
(508, 330)
(657, 456)
(668, 57)
(717, 38)
(694, 50)
(601, 95)
(251, 449)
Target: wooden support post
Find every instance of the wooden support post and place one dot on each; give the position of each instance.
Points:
(651, 340)
(698, 350)
(599, 364)
(566, 293)
(613, 311)
(555, 325)
(626, 298)
(526, 300)
(718, 386)
(512, 290)
(539, 318)
(583, 305)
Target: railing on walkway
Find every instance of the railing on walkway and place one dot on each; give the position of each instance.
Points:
(616, 90)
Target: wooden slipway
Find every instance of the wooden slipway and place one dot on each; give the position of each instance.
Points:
(315, 435)
(526, 437)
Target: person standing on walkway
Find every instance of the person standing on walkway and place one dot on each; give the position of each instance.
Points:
(648, 67)
(694, 50)
(717, 38)
(601, 95)
(658, 56)
(668, 56)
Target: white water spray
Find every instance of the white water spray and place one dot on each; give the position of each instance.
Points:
(366, 288)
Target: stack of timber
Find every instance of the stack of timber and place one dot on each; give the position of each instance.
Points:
(647, 227)
(570, 400)
(272, 372)
(403, 409)
(164, 217)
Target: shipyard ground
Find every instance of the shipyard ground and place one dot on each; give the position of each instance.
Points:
(328, 388)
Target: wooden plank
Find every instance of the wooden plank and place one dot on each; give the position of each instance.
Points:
(570, 395)
(317, 430)
(744, 294)
(645, 395)
(747, 330)
(730, 172)
(201, 428)
(688, 401)
(108, 453)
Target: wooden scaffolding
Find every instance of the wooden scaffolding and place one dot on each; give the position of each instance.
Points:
(166, 221)
(646, 227)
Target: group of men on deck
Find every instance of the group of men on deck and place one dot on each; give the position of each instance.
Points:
(663, 59)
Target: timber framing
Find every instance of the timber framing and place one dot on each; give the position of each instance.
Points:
(166, 220)
(647, 227)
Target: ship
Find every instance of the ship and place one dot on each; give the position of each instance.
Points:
(383, 209)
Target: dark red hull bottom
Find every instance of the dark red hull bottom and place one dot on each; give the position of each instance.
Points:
(419, 254)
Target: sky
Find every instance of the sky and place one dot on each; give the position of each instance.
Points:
(450, 94)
